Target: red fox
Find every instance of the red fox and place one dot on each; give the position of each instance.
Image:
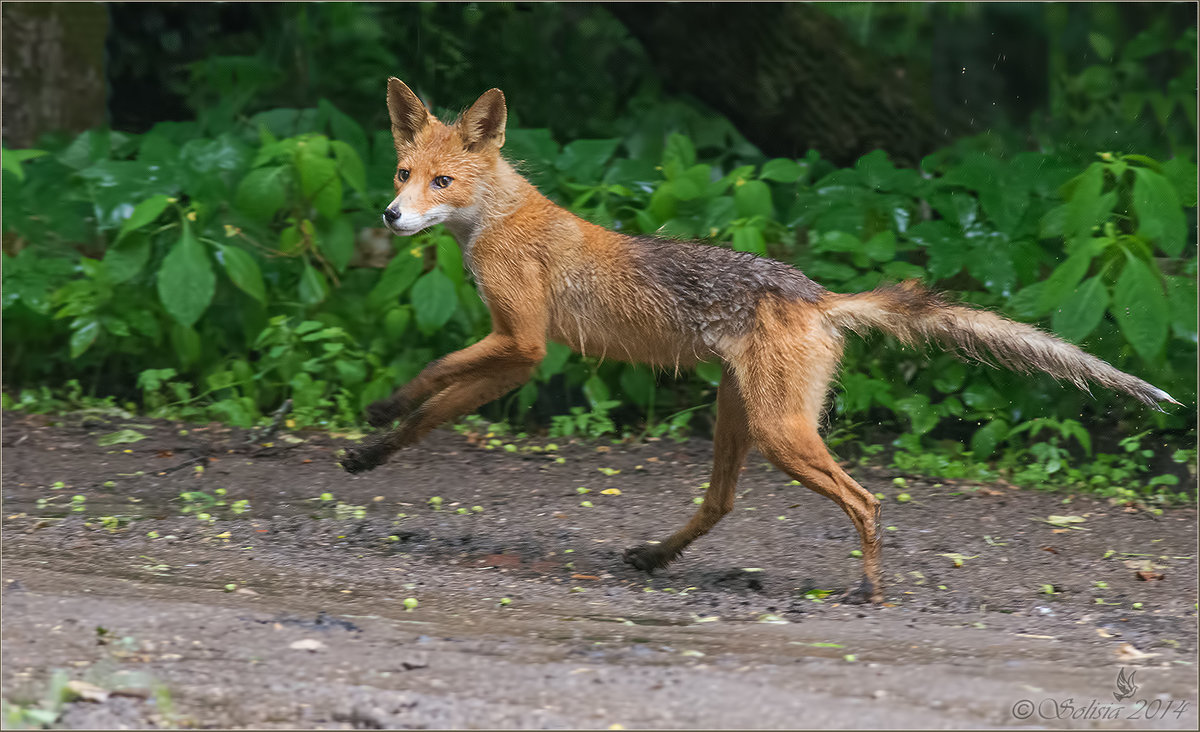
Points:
(547, 274)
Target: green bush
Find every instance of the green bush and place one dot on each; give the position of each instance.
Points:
(211, 277)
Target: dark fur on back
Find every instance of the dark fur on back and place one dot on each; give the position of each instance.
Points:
(715, 291)
(703, 274)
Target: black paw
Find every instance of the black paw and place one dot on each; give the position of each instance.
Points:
(360, 459)
(382, 413)
(866, 592)
(647, 557)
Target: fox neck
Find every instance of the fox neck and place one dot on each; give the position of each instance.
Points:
(501, 194)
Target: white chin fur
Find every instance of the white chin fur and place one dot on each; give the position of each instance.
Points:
(411, 223)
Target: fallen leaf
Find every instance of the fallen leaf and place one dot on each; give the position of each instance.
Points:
(84, 691)
(1126, 652)
(957, 558)
(611, 492)
(120, 437)
(1064, 521)
(585, 576)
(1146, 576)
(1050, 549)
(1146, 565)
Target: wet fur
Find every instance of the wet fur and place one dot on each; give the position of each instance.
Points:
(547, 274)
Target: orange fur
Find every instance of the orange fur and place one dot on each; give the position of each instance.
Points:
(547, 274)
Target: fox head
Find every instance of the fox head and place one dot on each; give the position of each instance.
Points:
(441, 170)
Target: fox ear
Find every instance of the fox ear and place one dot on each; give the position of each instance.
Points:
(409, 116)
(483, 124)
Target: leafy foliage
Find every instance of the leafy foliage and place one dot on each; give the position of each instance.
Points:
(212, 277)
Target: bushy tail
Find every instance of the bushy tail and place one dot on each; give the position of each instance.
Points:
(914, 314)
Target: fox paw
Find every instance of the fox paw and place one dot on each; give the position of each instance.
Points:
(647, 557)
(866, 592)
(360, 459)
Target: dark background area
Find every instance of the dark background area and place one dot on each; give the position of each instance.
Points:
(841, 78)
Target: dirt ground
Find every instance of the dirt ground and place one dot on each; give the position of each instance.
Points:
(291, 611)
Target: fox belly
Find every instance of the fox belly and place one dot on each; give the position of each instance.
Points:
(624, 328)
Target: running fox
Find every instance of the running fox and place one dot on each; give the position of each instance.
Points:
(547, 274)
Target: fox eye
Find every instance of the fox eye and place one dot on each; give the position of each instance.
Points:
(402, 174)
(442, 181)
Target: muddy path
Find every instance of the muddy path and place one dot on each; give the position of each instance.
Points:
(280, 602)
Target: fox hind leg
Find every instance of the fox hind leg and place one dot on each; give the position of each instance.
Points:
(796, 448)
(731, 442)
(785, 371)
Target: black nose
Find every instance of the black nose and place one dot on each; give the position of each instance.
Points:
(391, 215)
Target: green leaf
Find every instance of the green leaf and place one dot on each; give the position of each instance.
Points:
(1082, 311)
(993, 266)
(583, 160)
(396, 321)
(1086, 206)
(144, 213)
(313, 288)
(344, 128)
(1159, 214)
(949, 378)
(749, 239)
(319, 181)
(83, 335)
(127, 256)
(449, 259)
(983, 396)
(679, 151)
(835, 241)
(186, 342)
(398, 276)
(987, 437)
(753, 198)
(710, 371)
(336, 241)
(1181, 296)
(350, 165)
(1182, 174)
(944, 244)
(881, 247)
(637, 383)
(434, 300)
(1101, 45)
(556, 357)
(243, 271)
(263, 192)
(783, 170)
(1063, 280)
(186, 282)
(1140, 308)
(12, 160)
(595, 390)
(918, 409)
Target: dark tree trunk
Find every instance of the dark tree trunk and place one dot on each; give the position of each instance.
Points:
(788, 76)
(53, 68)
